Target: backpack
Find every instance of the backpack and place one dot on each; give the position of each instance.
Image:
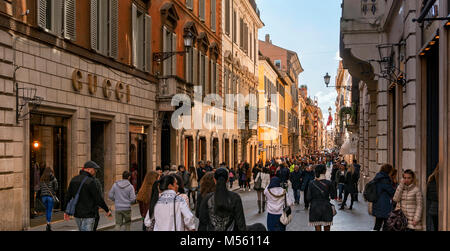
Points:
(370, 192)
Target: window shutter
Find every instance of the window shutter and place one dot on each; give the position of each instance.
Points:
(187, 66)
(205, 75)
(134, 37)
(227, 17)
(148, 43)
(211, 77)
(175, 57)
(190, 4)
(70, 19)
(213, 15)
(241, 32)
(234, 27)
(113, 28)
(217, 83)
(167, 62)
(42, 13)
(195, 66)
(94, 24)
(201, 10)
(58, 11)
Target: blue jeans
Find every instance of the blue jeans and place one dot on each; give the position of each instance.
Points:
(297, 195)
(85, 224)
(274, 224)
(48, 203)
(341, 190)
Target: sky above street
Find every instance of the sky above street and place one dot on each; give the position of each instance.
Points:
(310, 28)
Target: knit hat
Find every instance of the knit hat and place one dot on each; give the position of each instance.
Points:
(221, 172)
(91, 164)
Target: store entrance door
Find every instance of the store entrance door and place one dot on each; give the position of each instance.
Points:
(48, 149)
(98, 149)
(138, 156)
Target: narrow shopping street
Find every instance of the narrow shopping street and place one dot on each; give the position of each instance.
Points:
(357, 219)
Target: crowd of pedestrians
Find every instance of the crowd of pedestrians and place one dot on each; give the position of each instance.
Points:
(198, 198)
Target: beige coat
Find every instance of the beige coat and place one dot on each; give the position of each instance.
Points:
(410, 199)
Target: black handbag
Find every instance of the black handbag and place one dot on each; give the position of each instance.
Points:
(396, 222)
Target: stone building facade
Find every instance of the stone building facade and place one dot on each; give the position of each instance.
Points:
(240, 25)
(79, 93)
(398, 58)
(288, 64)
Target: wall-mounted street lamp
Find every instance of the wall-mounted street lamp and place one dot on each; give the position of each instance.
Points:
(188, 44)
(387, 66)
(327, 79)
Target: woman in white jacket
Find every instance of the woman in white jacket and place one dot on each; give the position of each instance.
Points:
(168, 211)
(264, 176)
(277, 199)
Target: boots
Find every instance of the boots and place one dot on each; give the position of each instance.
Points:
(264, 206)
(259, 207)
(49, 228)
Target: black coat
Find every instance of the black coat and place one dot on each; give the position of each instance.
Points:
(90, 197)
(333, 174)
(306, 178)
(296, 179)
(351, 181)
(319, 194)
(236, 216)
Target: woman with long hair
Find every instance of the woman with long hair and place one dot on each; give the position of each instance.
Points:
(168, 211)
(193, 184)
(207, 186)
(145, 193)
(433, 200)
(48, 186)
(320, 192)
(222, 210)
(351, 180)
(409, 199)
(264, 179)
(385, 191)
(181, 192)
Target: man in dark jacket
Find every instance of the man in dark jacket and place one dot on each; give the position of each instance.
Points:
(383, 206)
(296, 180)
(89, 198)
(307, 176)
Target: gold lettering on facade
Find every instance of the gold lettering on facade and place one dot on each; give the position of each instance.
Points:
(76, 83)
(119, 88)
(93, 82)
(128, 94)
(106, 86)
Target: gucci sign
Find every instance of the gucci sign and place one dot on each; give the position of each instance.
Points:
(120, 90)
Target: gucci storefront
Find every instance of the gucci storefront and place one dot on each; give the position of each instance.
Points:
(88, 112)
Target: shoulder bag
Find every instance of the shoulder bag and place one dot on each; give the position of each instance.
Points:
(286, 217)
(397, 221)
(258, 182)
(333, 208)
(70, 210)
